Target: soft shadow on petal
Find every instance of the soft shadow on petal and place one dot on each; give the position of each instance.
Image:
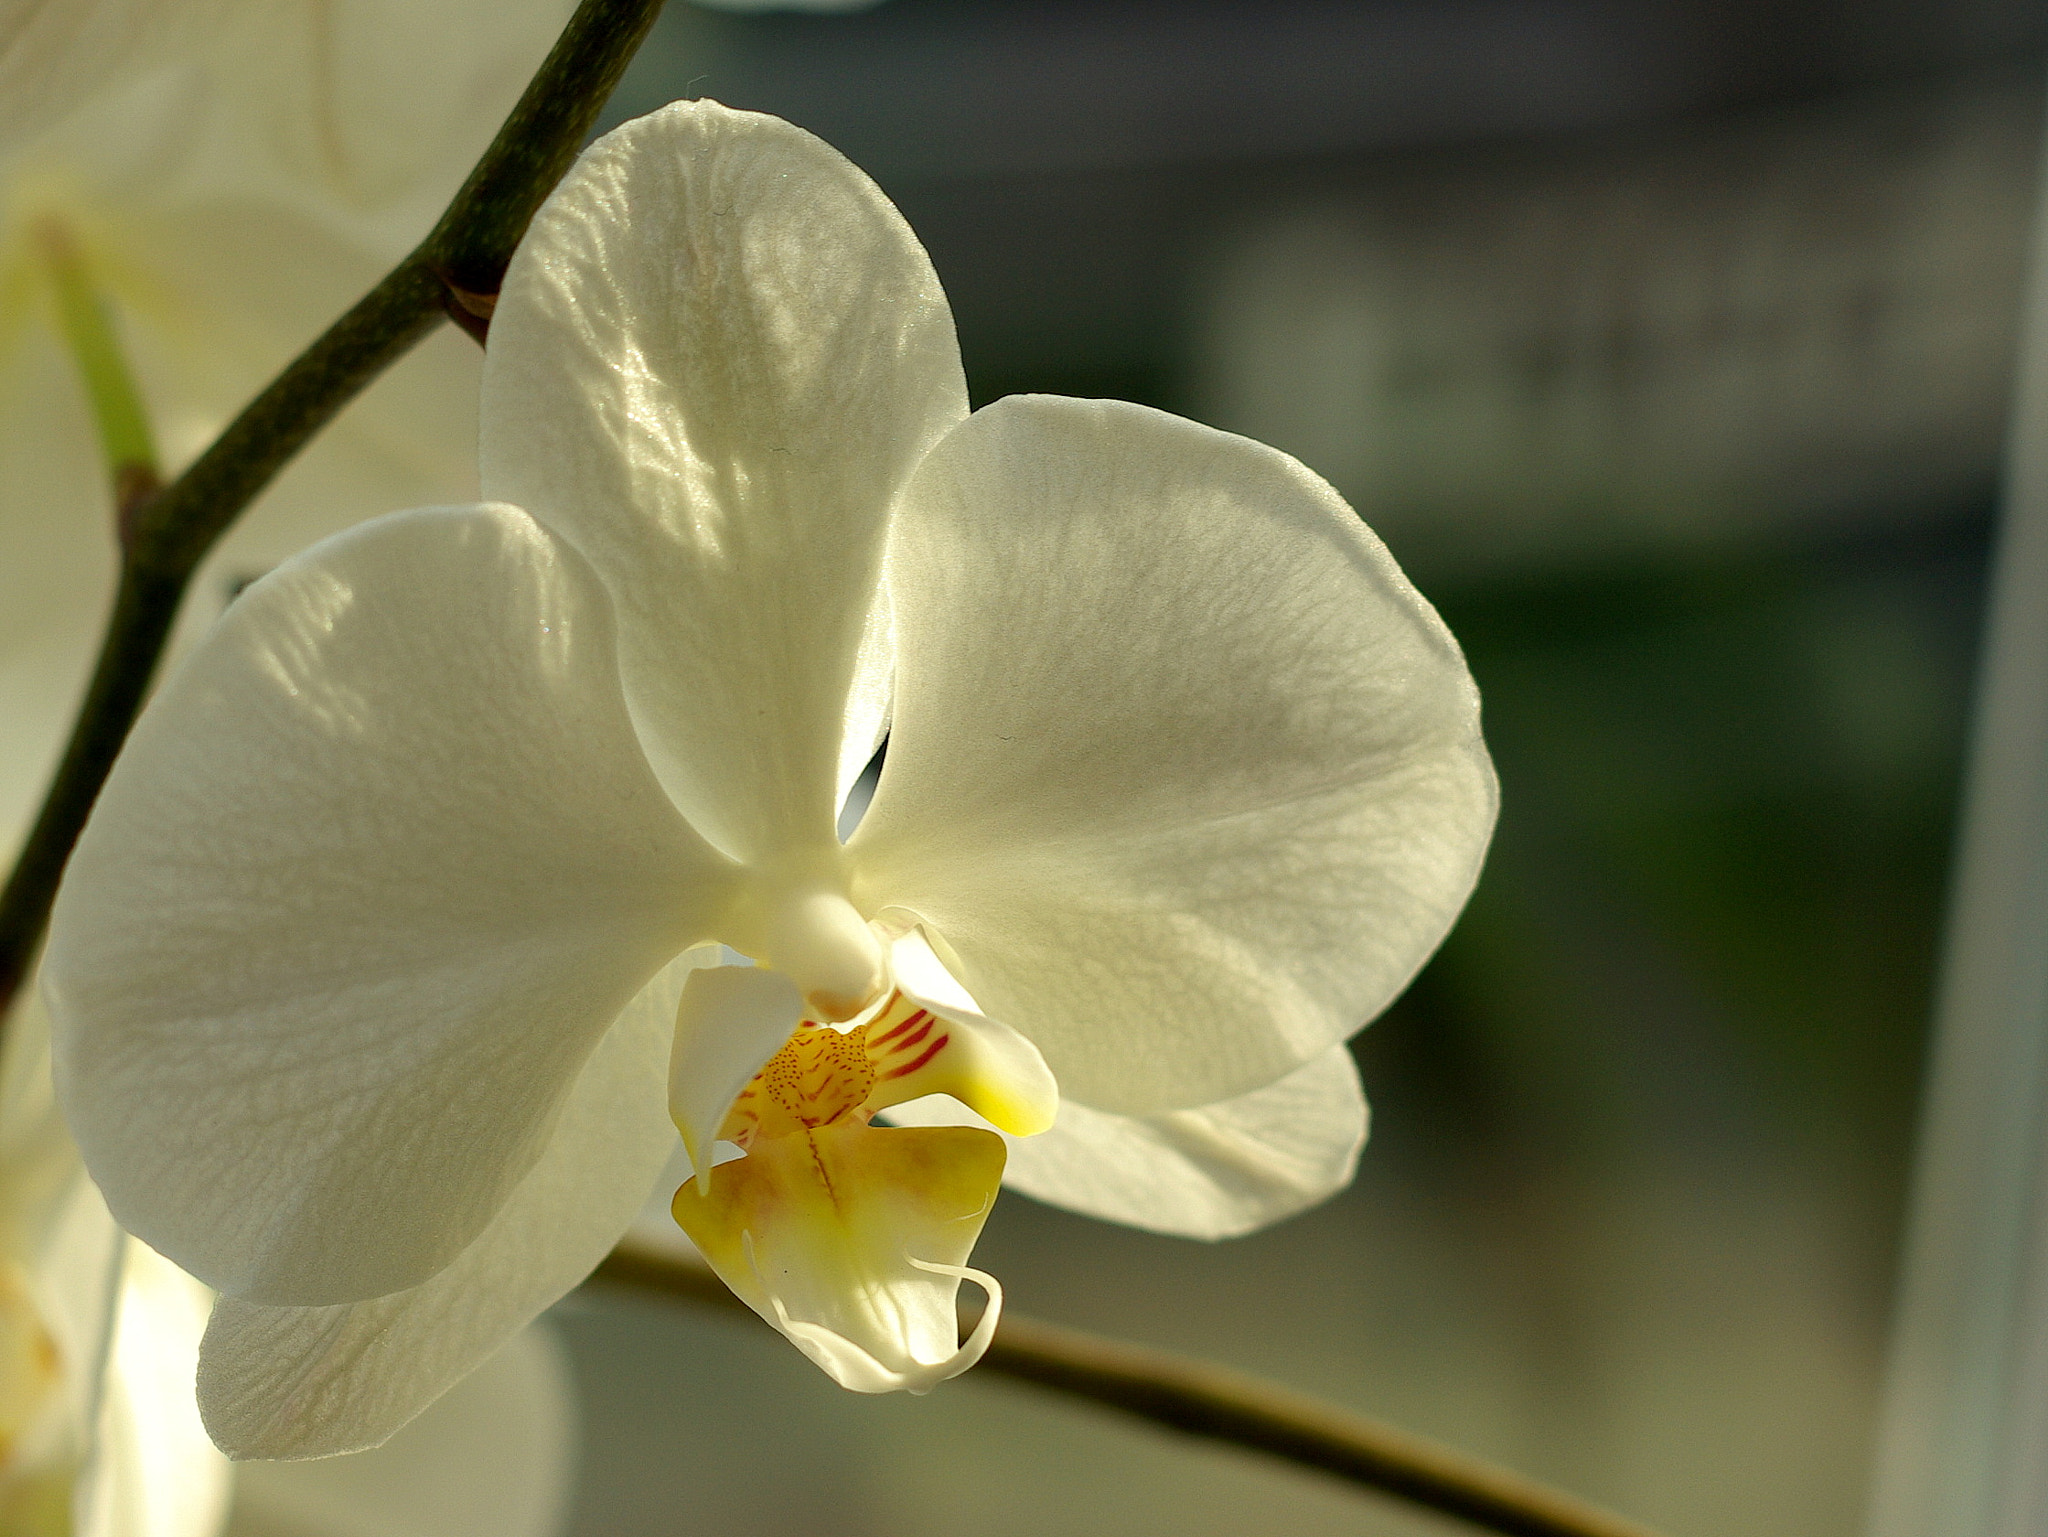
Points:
(1184, 778)
(1216, 1172)
(376, 871)
(494, 1457)
(311, 1382)
(716, 400)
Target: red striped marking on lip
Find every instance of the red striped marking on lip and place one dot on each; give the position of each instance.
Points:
(925, 1056)
(889, 1035)
(911, 1040)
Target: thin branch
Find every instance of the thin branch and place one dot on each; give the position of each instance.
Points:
(1204, 1399)
(456, 270)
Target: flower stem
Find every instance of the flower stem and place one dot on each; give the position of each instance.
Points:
(1202, 1398)
(456, 270)
(110, 388)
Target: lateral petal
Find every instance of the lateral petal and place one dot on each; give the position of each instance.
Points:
(1216, 1172)
(282, 1382)
(376, 871)
(1184, 779)
(718, 355)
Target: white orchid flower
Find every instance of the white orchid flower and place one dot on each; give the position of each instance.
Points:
(100, 1435)
(395, 941)
(169, 245)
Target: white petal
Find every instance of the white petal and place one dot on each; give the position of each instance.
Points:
(374, 874)
(311, 1382)
(1185, 779)
(155, 1474)
(1216, 1172)
(495, 1457)
(718, 355)
(730, 1021)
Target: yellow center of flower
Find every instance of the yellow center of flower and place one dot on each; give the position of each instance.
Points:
(851, 1238)
(819, 1075)
(822, 1075)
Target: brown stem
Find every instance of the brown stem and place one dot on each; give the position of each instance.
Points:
(458, 268)
(1204, 1399)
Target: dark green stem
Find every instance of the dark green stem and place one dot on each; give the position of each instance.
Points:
(1201, 1398)
(456, 270)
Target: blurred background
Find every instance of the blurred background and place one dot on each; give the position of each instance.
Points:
(1668, 346)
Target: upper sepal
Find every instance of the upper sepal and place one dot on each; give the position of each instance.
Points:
(718, 356)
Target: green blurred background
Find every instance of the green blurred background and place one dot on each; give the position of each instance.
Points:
(1668, 347)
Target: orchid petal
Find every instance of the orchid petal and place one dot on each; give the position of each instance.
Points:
(493, 1457)
(1216, 1172)
(718, 355)
(731, 1020)
(309, 1059)
(1185, 779)
(853, 1241)
(311, 1382)
(979, 1061)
